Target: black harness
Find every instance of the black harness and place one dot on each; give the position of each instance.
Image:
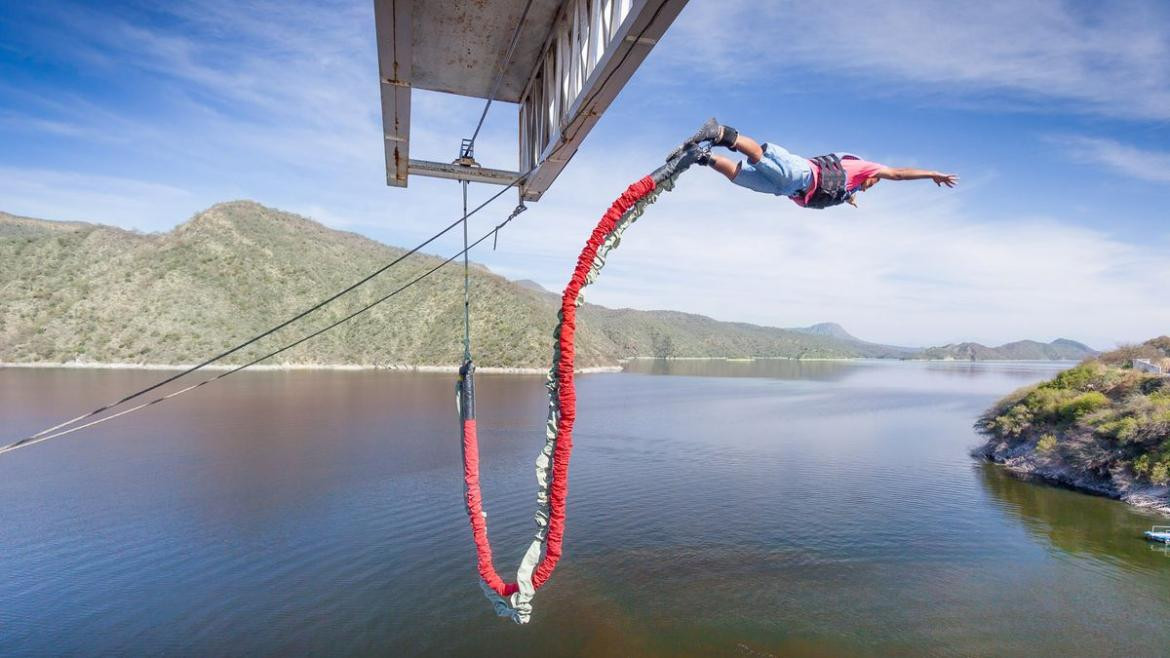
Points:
(831, 189)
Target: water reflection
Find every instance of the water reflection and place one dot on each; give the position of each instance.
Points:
(764, 368)
(975, 369)
(1073, 522)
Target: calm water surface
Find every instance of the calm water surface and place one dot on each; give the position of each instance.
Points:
(716, 508)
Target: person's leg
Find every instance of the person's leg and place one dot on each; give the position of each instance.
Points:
(728, 167)
(725, 166)
(749, 147)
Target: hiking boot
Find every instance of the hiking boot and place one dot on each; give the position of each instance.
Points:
(681, 159)
(714, 132)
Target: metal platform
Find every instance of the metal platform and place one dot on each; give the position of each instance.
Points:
(572, 57)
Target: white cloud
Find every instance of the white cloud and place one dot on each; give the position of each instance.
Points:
(1145, 164)
(1110, 58)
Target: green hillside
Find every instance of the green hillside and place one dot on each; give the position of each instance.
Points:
(1103, 426)
(73, 292)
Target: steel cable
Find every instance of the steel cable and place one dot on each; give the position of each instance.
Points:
(462, 219)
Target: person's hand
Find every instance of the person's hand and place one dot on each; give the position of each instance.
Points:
(950, 180)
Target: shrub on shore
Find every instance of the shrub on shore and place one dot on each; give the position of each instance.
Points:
(1099, 417)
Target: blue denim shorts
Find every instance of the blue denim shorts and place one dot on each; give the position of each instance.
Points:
(778, 172)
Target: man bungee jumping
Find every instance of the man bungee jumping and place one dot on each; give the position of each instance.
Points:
(819, 182)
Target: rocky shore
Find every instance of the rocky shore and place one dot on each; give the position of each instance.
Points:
(1026, 461)
(1102, 427)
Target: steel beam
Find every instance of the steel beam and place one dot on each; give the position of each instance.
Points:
(462, 172)
(392, 17)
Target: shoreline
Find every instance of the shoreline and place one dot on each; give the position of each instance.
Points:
(490, 370)
(1026, 466)
(446, 369)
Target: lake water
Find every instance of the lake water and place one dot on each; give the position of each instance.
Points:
(715, 508)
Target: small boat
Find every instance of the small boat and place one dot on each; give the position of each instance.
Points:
(1159, 533)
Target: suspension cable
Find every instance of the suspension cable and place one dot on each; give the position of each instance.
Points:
(500, 74)
(469, 148)
(289, 321)
(466, 283)
(46, 435)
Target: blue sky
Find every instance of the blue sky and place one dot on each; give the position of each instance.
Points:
(1055, 114)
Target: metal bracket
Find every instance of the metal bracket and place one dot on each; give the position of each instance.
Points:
(466, 154)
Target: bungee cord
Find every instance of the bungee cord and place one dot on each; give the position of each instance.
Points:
(514, 599)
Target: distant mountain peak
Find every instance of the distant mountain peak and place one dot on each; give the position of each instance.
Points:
(256, 224)
(1068, 342)
(236, 211)
(830, 329)
(531, 285)
(1061, 349)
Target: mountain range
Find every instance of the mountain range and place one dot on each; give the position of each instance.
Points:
(1061, 349)
(73, 292)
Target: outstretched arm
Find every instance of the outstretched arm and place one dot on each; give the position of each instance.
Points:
(907, 173)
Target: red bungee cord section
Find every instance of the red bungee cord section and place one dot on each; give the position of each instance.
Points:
(514, 599)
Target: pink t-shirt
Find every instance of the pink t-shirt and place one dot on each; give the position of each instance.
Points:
(856, 171)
